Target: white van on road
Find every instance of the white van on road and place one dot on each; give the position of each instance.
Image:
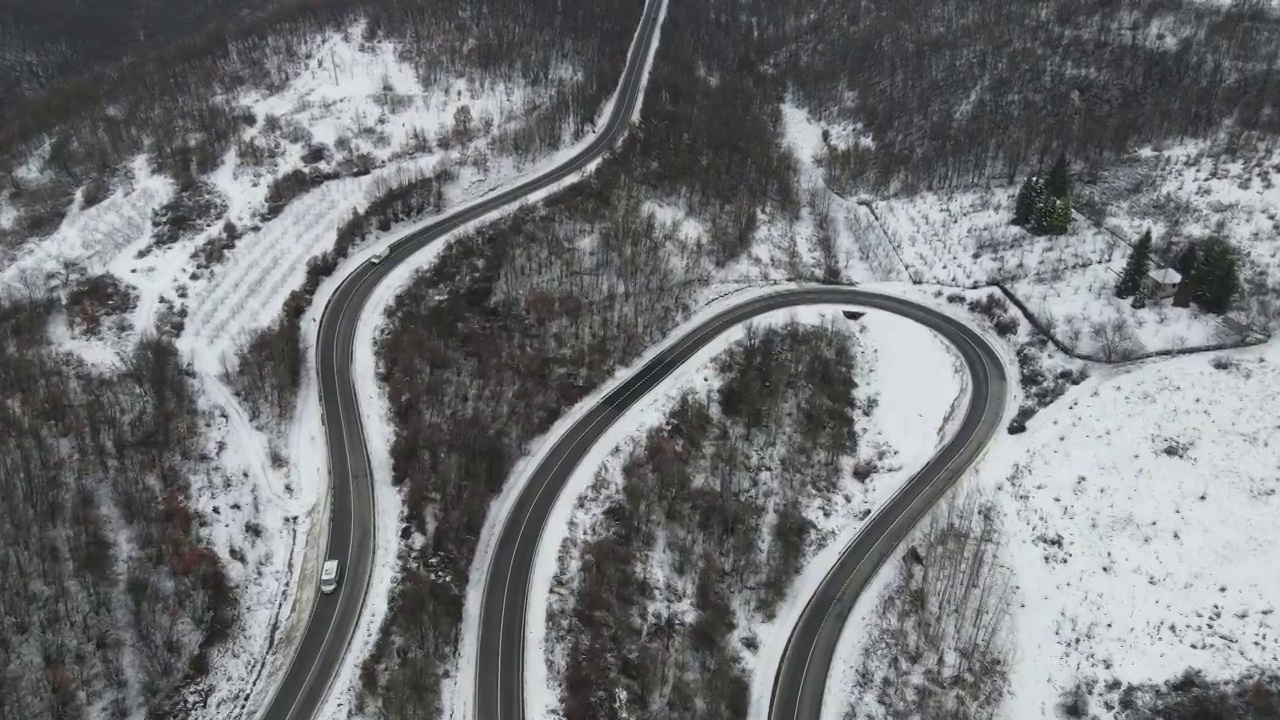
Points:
(329, 576)
(380, 255)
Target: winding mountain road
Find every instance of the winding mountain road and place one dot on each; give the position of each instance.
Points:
(499, 688)
(806, 662)
(799, 685)
(304, 688)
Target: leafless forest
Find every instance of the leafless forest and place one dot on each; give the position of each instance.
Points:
(939, 646)
(110, 598)
(954, 93)
(176, 100)
(45, 43)
(714, 498)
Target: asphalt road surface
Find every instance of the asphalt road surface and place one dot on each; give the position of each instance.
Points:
(798, 689)
(305, 686)
(802, 675)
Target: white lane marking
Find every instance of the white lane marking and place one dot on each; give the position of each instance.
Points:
(459, 218)
(342, 425)
(857, 297)
(888, 531)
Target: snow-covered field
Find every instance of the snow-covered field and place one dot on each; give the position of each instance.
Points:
(1083, 299)
(1140, 514)
(965, 238)
(1068, 281)
(1186, 190)
(1180, 193)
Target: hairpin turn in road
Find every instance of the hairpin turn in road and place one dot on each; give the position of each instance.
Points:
(801, 679)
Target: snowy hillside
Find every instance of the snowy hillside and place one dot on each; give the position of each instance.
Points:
(1139, 506)
(356, 118)
(353, 123)
(965, 239)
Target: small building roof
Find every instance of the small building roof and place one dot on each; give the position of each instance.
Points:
(1165, 276)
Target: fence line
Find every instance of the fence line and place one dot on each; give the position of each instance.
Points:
(1245, 341)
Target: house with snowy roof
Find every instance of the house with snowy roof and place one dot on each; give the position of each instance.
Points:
(1161, 283)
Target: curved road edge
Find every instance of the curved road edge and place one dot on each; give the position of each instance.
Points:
(800, 681)
(499, 688)
(316, 659)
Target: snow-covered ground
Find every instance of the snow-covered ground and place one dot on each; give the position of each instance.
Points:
(362, 94)
(1141, 512)
(1082, 299)
(858, 250)
(965, 238)
(1187, 190)
(1179, 193)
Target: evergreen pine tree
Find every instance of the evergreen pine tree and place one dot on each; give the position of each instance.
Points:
(1136, 268)
(1058, 184)
(1183, 294)
(1186, 262)
(1024, 207)
(1060, 218)
(1044, 203)
(1051, 216)
(1215, 276)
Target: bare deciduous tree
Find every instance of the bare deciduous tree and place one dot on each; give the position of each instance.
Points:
(941, 648)
(1115, 339)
